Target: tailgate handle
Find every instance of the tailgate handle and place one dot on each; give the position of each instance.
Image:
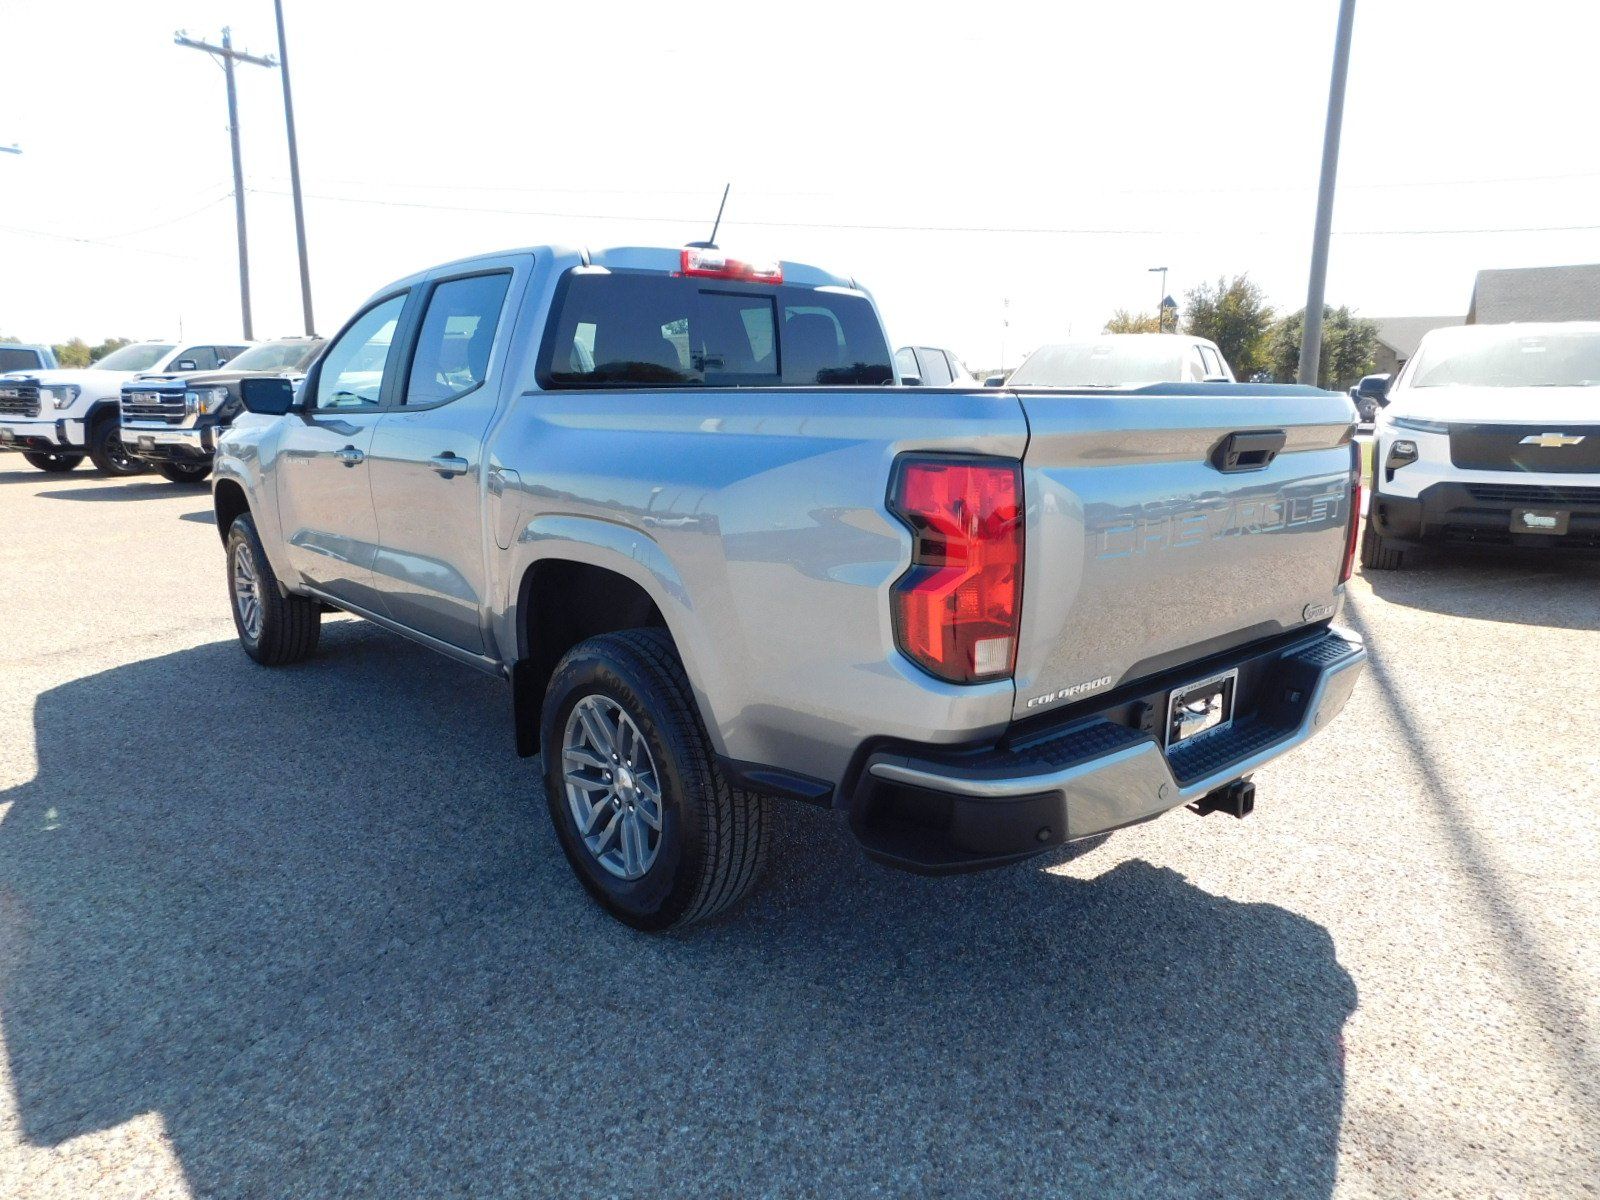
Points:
(1248, 451)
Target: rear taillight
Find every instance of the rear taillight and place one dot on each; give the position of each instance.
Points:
(956, 610)
(705, 263)
(1350, 532)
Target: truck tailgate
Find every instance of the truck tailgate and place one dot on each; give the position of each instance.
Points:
(1146, 551)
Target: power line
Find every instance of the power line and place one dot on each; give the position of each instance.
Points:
(886, 227)
(63, 237)
(209, 204)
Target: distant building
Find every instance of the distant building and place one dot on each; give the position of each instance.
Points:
(1536, 294)
(1398, 338)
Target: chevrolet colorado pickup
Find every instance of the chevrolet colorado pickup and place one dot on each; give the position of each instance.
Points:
(172, 421)
(54, 418)
(1490, 436)
(677, 501)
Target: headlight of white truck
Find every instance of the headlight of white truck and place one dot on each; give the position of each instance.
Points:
(204, 400)
(1419, 425)
(62, 395)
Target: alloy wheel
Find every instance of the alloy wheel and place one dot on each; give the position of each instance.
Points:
(613, 791)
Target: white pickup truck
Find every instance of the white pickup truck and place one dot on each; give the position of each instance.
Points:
(1489, 437)
(55, 418)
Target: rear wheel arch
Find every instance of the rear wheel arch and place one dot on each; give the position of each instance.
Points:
(560, 603)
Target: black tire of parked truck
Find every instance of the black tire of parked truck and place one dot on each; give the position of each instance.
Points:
(712, 840)
(107, 450)
(277, 629)
(52, 461)
(183, 473)
(1378, 553)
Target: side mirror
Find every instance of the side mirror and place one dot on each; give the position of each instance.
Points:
(911, 381)
(269, 397)
(995, 381)
(185, 364)
(1383, 400)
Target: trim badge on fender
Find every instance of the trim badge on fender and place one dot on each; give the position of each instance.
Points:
(1067, 693)
(1551, 441)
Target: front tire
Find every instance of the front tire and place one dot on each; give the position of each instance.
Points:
(275, 629)
(108, 452)
(1378, 553)
(182, 472)
(647, 821)
(52, 462)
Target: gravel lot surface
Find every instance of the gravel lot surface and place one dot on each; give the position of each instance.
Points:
(307, 932)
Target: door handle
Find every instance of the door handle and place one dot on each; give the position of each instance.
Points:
(349, 456)
(449, 465)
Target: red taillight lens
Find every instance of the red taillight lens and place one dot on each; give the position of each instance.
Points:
(1350, 533)
(714, 264)
(956, 610)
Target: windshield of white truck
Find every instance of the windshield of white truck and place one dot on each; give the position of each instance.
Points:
(1508, 358)
(622, 329)
(132, 358)
(1109, 362)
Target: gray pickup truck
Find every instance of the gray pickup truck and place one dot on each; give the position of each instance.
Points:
(680, 504)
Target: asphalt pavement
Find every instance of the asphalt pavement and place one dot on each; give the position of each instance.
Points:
(307, 932)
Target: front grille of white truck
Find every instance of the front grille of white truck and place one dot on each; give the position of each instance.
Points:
(19, 400)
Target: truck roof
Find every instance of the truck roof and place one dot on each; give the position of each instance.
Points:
(622, 258)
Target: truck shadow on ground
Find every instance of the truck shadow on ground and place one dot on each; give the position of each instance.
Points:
(160, 489)
(1525, 587)
(316, 919)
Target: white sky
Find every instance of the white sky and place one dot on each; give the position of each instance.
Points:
(1125, 136)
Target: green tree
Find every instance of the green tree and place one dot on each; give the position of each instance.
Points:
(74, 353)
(78, 353)
(1234, 314)
(1123, 321)
(1349, 345)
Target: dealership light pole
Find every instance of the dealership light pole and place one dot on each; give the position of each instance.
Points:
(1311, 332)
(294, 174)
(227, 54)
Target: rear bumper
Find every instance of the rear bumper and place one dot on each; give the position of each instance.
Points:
(942, 811)
(24, 434)
(169, 443)
(1482, 514)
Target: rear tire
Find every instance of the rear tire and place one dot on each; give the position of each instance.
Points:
(708, 844)
(274, 629)
(108, 452)
(53, 462)
(1378, 553)
(181, 473)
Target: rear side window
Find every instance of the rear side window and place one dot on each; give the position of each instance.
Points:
(12, 359)
(936, 371)
(452, 355)
(620, 329)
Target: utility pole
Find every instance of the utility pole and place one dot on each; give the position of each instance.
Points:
(228, 54)
(294, 174)
(1162, 297)
(1311, 331)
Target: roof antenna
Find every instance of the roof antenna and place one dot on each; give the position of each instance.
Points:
(711, 242)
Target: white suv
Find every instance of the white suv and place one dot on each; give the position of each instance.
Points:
(1490, 436)
(54, 418)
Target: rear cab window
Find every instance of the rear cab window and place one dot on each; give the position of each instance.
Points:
(647, 329)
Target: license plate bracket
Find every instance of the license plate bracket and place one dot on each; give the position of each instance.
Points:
(147, 443)
(1549, 521)
(1202, 708)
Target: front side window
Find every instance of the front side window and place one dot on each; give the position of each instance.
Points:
(452, 355)
(273, 356)
(622, 328)
(204, 358)
(352, 372)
